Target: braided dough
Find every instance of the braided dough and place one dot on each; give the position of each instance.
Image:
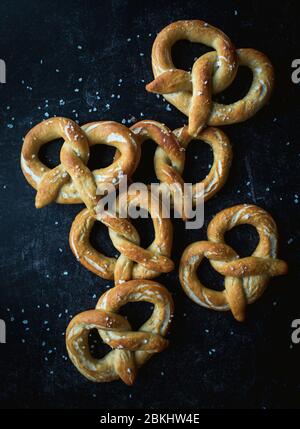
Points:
(245, 278)
(191, 92)
(134, 261)
(130, 349)
(72, 182)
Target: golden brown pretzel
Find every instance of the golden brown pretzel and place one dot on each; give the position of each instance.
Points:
(130, 349)
(191, 92)
(55, 184)
(134, 261)
(245, 278)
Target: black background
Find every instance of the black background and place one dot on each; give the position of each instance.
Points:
(212, 361)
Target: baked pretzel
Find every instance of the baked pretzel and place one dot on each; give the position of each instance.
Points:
(134, 261)
(222, 153)
(130, 349)
(72, 182)
(191, 92)
(245, 278)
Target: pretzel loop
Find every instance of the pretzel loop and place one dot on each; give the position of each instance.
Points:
(130, 349)
(222, 152)
(245, 278)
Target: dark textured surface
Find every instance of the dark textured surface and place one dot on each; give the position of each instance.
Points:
(213, 361)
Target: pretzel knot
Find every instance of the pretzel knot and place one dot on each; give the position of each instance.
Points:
(71, 181)
(191, 92)
(130, 349)
(245, 278)
(134, 261)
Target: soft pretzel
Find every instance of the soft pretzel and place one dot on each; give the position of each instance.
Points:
(245, 278)
(71, 181)
(191, 92)
(130, 349)
(134, 261)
